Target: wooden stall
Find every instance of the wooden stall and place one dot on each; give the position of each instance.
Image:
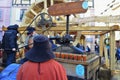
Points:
(89, 61)
(73, 63)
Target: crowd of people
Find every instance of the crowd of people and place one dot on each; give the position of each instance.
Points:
(39, 63)
(38, 55)
(10, 47)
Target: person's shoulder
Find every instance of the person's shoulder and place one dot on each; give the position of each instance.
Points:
(52, 61)
(27, 64)
(56, 63)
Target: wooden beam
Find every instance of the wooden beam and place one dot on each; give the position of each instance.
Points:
(103, 32)
(113, 28)
(71, 28)
(87, 28)
(90, 33)
(75, 28)
(118, 29)
(33, 12)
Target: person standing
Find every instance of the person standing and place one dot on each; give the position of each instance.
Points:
(118, 53)
(96, 48)
(41, 64)
(88, 49)
(31, 33)
(9, 44)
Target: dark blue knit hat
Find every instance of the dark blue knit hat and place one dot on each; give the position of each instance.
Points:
(41, 50)
(30, 30)
(13, 27)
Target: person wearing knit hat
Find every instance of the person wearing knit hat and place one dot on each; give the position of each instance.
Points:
(31, 33)
(41, 64)
(9, 44)
(30, 30)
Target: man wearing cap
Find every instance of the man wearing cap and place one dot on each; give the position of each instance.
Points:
(41, 64)
(31, 33)
(9, 44)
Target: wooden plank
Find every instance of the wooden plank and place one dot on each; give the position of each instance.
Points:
(104, 32)
(90, 33)
(73, 28)
(37, 7)
(67, 8)
(29, 14)
(113, 28)
(33, 12)
(26, 20)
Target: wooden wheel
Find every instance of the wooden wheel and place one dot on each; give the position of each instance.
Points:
(43, 21)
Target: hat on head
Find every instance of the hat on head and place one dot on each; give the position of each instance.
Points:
(13, 27)
(30, 30)
(41, 50)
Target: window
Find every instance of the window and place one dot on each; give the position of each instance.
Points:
(21, 2)
(22, 12)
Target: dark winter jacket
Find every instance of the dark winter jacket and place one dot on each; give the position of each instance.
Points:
(9, 40)
(118, 53)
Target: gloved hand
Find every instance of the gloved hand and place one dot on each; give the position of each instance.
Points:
(13, 49)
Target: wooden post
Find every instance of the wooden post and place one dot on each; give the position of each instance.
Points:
(104, 49)
(51, 2)
(106, 57)
(77, 40)
(101, 45)
(45, 4)
(112, 50)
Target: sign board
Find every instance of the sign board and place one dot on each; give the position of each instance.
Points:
(80, 70)
(68, 8)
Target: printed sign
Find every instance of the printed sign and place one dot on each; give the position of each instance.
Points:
(80, 70)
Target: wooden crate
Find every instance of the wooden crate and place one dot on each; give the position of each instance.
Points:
(91, 64)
